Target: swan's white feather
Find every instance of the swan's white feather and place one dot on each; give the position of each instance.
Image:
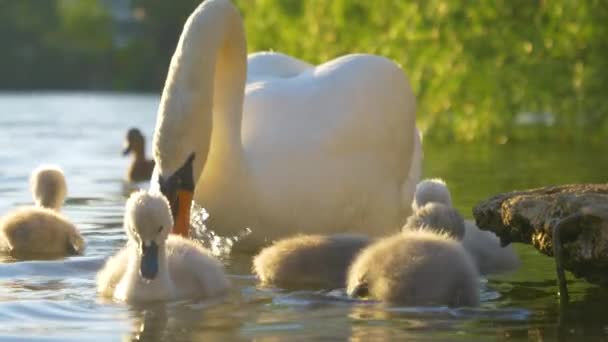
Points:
(298, 149)
(263, 66)
(329, 149)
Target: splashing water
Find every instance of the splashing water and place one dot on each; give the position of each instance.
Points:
(220, 246)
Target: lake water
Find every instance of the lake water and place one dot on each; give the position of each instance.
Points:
(83, 133)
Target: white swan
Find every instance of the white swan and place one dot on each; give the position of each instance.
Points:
(155, 265)
(308, 261)
(336, 140)
(415, 267)
(267, 66)
(41, 230)
(484, 246)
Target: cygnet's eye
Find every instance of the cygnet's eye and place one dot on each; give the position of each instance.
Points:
(160, 229)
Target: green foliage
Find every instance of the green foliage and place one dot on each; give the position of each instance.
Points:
(474, 65)
(54, 44)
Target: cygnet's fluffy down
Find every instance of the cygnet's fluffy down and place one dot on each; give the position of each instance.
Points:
(140, 168)
(308, 261)
(431, 190)
(41, 230)
(415, 268)
(484, 246)
(48, 187)
(155, 265)
(487, 252)
(438, 217)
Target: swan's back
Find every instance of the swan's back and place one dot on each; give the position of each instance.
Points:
(194, 271)
(415, 268)
(39, 231)
(263, 66)
(345, 131)
(308, 261)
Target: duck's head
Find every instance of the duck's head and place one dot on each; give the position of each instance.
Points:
(48, 187)
(134, 142)
(438, 217)
(431, 190)
(147, 223)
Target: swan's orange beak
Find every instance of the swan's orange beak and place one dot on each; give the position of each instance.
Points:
(178, 189)
(182, 218)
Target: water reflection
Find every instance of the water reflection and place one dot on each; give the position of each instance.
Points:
(149, 323)
(56, 299)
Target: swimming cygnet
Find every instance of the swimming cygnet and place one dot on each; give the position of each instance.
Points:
(415, 268)
(484, 246)
(431, 190)
(41, 229)
(140, 168)
(438, 217)
(155, 265)
(308, 261)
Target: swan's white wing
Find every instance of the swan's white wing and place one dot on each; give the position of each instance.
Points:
(264, 66)
(331, 148)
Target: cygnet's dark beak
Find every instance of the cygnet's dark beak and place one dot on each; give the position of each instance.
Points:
(148, 269)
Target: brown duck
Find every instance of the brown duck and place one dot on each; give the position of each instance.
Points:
(140, 168)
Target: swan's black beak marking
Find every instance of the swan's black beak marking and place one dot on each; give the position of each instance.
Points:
(178, 188)
(148, 269)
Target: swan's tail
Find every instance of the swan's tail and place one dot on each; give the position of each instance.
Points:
(409, 186)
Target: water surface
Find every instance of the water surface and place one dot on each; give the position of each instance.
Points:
(56, 300)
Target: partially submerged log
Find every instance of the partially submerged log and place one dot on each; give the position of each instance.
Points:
(580, 213)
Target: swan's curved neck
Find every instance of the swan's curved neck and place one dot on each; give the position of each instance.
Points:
(202, 102)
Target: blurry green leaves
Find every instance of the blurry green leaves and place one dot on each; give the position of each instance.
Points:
(473, 65)
(85, 24)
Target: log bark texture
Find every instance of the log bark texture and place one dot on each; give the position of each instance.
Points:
(531, 216)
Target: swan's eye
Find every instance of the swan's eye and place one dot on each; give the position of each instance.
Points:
(160, 229)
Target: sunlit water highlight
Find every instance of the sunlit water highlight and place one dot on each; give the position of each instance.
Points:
(56, 300)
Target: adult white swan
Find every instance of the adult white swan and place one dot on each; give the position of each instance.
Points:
(304, 149)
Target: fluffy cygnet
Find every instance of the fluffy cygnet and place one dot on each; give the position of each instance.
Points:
(486, 250)
(155, 265)
(140, 168)
(48, 187)
(438, 217)
(41, 230)
(483, 246)
(415, 268)
(431, 190)
(308, 261)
